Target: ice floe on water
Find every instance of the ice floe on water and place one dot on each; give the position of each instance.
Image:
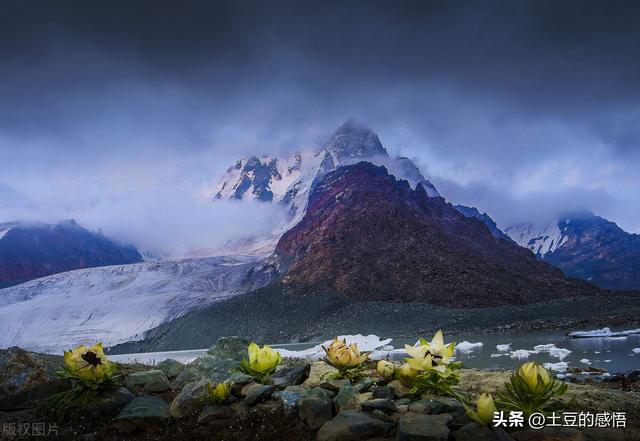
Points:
(553, 351)
(635, 350)
(504, 348)
(560, 366)
(465, 347)
(366, 343)
(521, 353)
(585, 361)
(604, 332)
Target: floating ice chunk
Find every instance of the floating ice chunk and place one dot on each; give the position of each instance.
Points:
(521, 353)
(365, 343)
(607, 361)
(497, 355)
(560, 366)
(553, 351)
(585, 361)
(618, 337)
(635, 350)
(604, 332)
(504, 348)
(465, 347)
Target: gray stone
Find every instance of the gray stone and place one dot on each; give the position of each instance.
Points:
(170, 367)
(381, 415)
(386, 406)
(314, 411)
(258, 394)
(423, 406)
(145, 412)
(291, 375)
(444, 404)
(416, 427)
(214, 413)
(346, 399)
(364, 384)
(333, 385)
(26, 376)
(400, 390)
(354, 425)
(384, 392)
(150, 381)
(290, 398)
(474, 432)
(403, 401)
(318, 392)
(232, 347)
(189, 400)
(206, 367)
(110, 402)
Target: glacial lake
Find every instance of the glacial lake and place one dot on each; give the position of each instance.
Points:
(614, 354)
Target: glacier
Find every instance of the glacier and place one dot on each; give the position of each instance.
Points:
(116, 304)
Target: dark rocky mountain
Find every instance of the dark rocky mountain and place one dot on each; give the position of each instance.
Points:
(588, 247)
(32, 250)
(370, 236)
(485, 218)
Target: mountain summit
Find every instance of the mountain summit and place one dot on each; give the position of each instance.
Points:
(371, 236)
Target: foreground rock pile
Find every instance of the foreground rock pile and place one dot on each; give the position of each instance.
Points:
(297, 403)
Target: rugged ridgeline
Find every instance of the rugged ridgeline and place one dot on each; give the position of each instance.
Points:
(370, 236)
(588, 247)
(485, 218)
(287, 180)
(32, 250)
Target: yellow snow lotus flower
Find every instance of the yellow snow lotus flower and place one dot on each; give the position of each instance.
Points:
(342, 357)
(438, 349)
(220, 392)
(88, 363)
(534, 376)
(485, 408)
(386, 369)
(425, 364)
(406, 373)
(263, 360)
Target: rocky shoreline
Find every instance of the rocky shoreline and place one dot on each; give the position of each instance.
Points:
(296, 403)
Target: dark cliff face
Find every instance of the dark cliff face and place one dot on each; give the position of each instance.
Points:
(371, 237)
(599, 251)
(485, 218)
(29, 251)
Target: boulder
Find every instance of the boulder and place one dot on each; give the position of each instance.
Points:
(315, 411)
(213, 413)
(189, 400)
(257, 394)
(423, 406)
(417, 427)
(291, 375)
(110, 402)
(290, 397)
(346, 399)
(400, 390)
(364, 384)
(318, 392)
(218, 364)
(150, 381)
(232, 347)
(386, 406)
(170, 367)
(476, 432)
(443, 404)
(26, 376)
(333, 385)
(384, 392)
(354, 425)
(145, 412)
(548, 434)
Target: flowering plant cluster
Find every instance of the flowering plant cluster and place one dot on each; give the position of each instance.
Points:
(347, 359)
(262, 362)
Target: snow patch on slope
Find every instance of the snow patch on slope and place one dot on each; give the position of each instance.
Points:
(540, 240)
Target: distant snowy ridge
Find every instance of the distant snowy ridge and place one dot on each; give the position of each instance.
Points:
(540, 240)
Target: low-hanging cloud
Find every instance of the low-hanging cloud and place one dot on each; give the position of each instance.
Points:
(125, 118)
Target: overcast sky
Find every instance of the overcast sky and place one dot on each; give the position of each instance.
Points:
(124, 111)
